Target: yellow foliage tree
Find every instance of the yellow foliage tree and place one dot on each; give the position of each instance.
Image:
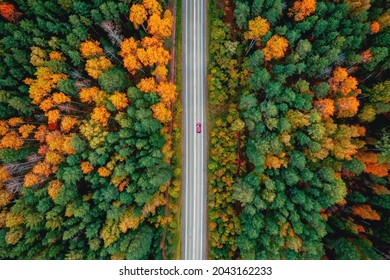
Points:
(100, 115)
(45, 82)
(3, 127)
(55, 55)
(15, 121)
(25, 130)
(11, 140)
(38, 56)
(59, 98)
(46, 104)
(161, 112)
(358, 6)
(258, 27)
(119, 100)
(104, 171)
(31, 179)
(53, 116)
(67, 123)
(160, 72)
(129, 221)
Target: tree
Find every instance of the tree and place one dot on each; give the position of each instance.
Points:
(325, 106)
(129, 54)
(152, 6)
(160, 27)
(91, 48)
(258, 27)
(241, 13)
(161, 112)
(96, 66)
(167, 91)
(346, 107)
(275, 47)
(341, 82)
(100, 115)
(358, 6)
(138, 15)
(119, 100)
(301, 9)
(9, 12)
(375, 27)
(114, 79)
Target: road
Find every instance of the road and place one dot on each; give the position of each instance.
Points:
(195, 150)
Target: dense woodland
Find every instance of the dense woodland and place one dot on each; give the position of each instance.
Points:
(85, 145)
(301, 140)
(299, 103)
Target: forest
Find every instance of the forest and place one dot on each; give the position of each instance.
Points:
(86, 117)
(298, 129)
(299, 102)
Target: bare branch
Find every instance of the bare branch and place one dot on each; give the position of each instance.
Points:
(113, 31)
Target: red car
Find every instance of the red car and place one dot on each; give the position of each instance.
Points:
(198, 127)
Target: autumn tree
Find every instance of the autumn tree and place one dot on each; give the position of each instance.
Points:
(138, 15)
(302, 8)
(9, 12)
(275, 48)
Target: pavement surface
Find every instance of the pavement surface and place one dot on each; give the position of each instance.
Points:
(195, 149)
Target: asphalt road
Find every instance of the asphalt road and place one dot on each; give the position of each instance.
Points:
(195, 149)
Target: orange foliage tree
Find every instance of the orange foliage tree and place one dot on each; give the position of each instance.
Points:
(275, 47)
(366, 56)
(303, 8)
(366, 212)
(129, 54)
(370, 160)
(325, 106)
(9, 12)
(100, 115)
(346, 106)
(160, 27)
(341, 82)
(90, 48)
(147, 85)
(375, 27)
(161, 112)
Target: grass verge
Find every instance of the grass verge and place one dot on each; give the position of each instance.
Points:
(177, 136)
